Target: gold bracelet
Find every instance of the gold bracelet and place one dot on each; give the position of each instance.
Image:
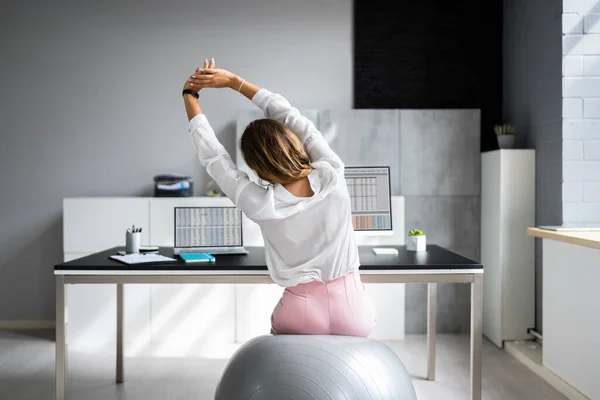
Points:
(243, 80)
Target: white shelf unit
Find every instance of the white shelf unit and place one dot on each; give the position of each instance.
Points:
(507, 252)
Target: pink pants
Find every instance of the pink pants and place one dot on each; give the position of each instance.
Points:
(340, 306)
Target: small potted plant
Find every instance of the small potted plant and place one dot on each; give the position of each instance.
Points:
(506, 136)
(417, 241)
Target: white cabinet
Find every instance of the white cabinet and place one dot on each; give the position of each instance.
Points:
(507, 252)
(96, 223)
(571, 320)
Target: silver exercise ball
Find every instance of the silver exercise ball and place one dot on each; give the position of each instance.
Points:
(314, 367)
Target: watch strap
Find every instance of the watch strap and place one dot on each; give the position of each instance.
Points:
(190, 91)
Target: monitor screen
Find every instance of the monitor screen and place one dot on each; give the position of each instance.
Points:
(208, 227)
(370, 193)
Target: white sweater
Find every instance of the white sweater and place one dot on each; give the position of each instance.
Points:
(308, 238)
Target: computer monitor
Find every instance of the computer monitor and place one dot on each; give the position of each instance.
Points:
(370, 194)
(208, 229)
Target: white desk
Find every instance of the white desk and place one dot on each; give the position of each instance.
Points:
(436, 265)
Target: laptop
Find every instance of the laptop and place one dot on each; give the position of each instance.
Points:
(214, 230)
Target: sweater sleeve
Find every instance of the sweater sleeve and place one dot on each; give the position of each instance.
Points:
(235, 184)
(276, 107)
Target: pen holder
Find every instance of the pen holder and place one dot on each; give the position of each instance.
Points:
(132, 242)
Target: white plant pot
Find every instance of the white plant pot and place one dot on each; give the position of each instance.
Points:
(416, 243)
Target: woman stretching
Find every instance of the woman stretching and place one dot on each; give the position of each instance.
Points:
(304, 213)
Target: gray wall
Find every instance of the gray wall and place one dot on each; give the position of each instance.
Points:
(91, 105)
(533, 103)
(441, 181)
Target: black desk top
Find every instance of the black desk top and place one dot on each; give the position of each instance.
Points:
(435, 258)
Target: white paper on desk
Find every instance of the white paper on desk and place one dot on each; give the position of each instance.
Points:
(142, 258)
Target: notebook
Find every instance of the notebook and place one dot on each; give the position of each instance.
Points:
(197, 257)
(142, 258)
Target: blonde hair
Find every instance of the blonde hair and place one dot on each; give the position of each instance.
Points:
(275, 153)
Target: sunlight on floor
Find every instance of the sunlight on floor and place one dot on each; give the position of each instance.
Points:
(191, 331)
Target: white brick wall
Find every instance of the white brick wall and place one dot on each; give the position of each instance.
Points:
(582, 87)
(573, 66)
(591, 191)
(581, 6)
(581, 128)
(572, 23)
(580, 171)
(572, 108)
(591, 150)
(591, 23)
(572, 192)
(572, 150)
(581, 212)
(591, 65)
(581, 111)
(591, 108)
(586, 44)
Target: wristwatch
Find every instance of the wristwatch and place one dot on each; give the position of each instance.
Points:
(190, 91)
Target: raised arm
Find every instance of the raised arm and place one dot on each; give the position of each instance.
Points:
(209, 77)
(275, 107)
(245, 194)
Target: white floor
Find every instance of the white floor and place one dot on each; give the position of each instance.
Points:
(27, 372)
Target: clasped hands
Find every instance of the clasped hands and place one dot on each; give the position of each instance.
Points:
(210, 77)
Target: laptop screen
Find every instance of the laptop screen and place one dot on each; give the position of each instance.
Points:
(208, 227)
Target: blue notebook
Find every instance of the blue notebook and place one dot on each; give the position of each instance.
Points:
(197, 257)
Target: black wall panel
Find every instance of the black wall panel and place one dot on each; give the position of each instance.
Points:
(430, 54)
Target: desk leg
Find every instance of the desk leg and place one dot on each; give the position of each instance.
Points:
(61, 338)
(476, 335)
(431, 329)
(120, 306)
